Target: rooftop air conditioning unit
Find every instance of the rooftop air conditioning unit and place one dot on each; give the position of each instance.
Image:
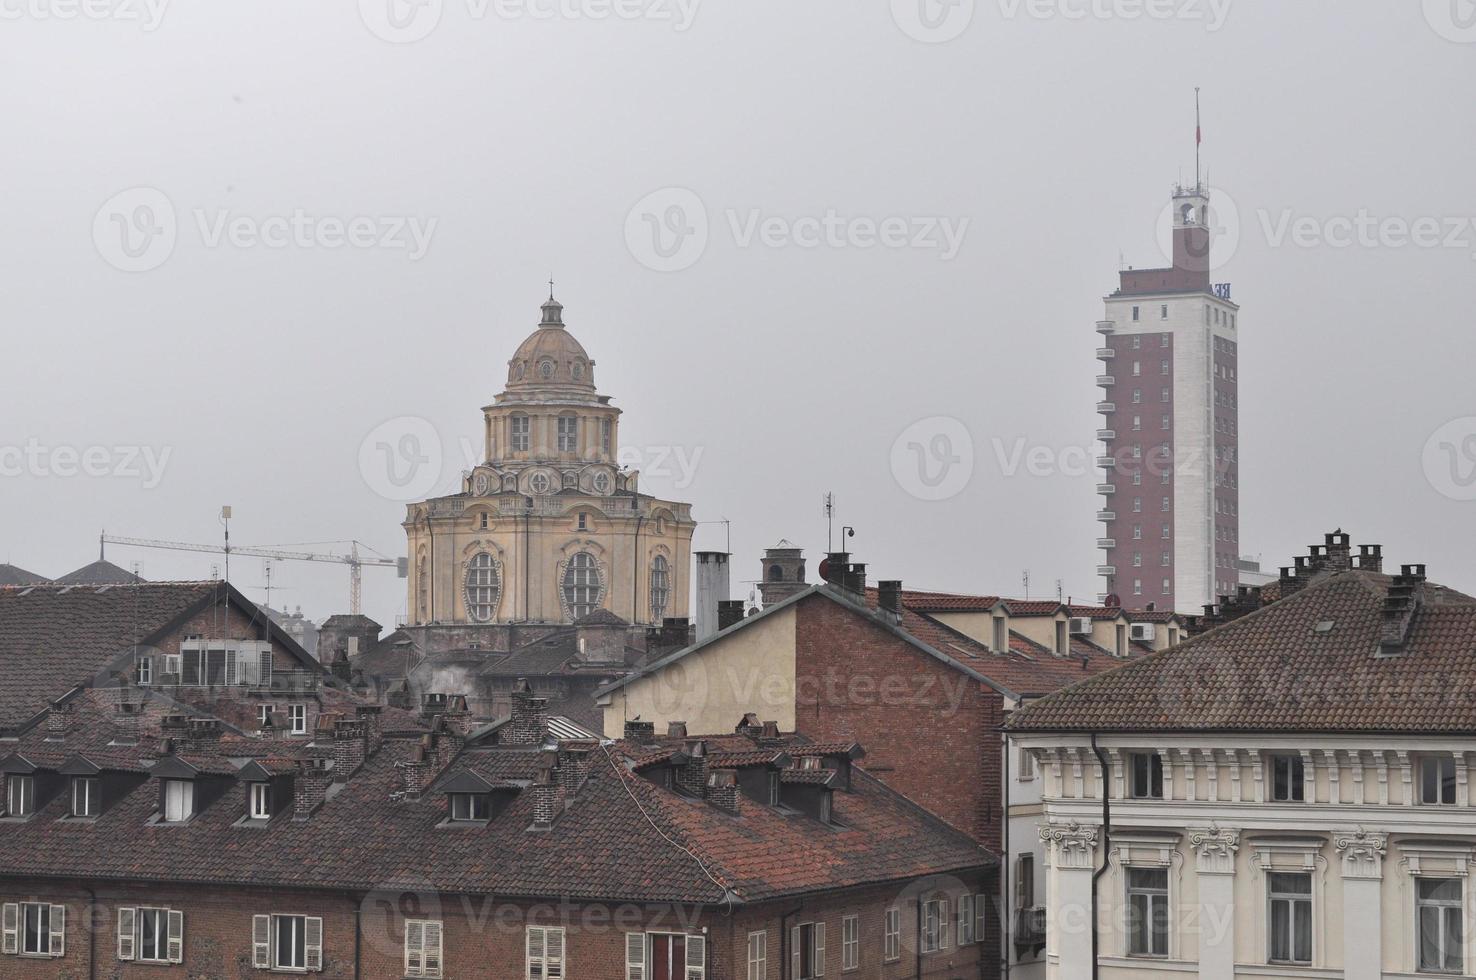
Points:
(1144, 632)
(1081, 626)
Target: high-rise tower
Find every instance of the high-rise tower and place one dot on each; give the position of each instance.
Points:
(1170, 380)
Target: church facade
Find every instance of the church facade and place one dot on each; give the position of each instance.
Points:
(549, 528)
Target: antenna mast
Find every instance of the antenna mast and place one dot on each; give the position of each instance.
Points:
(1198, 138)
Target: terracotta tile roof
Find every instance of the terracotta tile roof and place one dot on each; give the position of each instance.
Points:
(621, 838)
(1306, 663)
(941, 601)
(55, 637)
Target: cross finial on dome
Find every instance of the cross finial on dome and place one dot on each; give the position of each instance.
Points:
(550, 287)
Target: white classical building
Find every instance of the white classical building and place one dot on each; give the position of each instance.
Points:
(1287, 795)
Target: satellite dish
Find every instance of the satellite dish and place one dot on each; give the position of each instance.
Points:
(825, 569)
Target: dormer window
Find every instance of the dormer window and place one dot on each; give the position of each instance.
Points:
(20, 795)
(179, 801)
(470, 808)
(85, 797)
(1063, 638)
(261, 801)
(1001, 634)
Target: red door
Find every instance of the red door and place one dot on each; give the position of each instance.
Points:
(668, 957)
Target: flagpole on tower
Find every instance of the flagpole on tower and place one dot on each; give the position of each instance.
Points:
(1198, 137)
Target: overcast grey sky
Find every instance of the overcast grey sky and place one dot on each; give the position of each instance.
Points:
(526, 138)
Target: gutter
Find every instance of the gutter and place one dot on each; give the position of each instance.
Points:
(1006, 897)
(1106, 772)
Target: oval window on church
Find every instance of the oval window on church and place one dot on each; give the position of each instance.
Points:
(602, 482)
(660, 588)
(539, 483)
(546, 369)
(483, 587)
(581, 585)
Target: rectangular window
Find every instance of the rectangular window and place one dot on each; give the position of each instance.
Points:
(606, 435)
(1287, 785)
(84, 796)
(568, 434)
(423, 948)
(1442, 935)
(808, 959)
(850, 942)
(1025, 881)
(892, 935)
(1063, 638)
(545, 949)
(1163, 367)
(263, 713)
(156, 934)
(1135, 313)
(261, 801)
(935, 926)
(521, 431)
(1290, 932)
(1163, 312)
(1147, 912)
(758, 956)
(145, 671)
(20, 795)
(1438, 781)
(1026, 766)
(297, 719)
(42, 929)
(470, 807)
(296, 941)
(965, 920)
(179, 800)
(1001, 635)
(1147, 772)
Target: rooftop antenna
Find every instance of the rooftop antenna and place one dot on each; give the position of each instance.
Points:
(225, 522)
(829, 521)
(1060, 591)
(102, 546)
(1025, 581)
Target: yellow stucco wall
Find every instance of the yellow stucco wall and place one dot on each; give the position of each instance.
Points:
(750, 669)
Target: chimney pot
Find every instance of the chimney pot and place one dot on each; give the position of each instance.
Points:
(676, 729)
(889, 596)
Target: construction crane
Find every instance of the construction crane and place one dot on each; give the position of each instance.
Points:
(355, 561)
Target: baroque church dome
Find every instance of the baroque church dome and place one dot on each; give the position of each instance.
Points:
(551, 357)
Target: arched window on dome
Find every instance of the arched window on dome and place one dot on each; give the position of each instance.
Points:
(522, 430)
(581, 585)
(483, 587)
(660, 588)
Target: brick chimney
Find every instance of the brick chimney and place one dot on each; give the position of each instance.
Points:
(692, 775)
(529, 725)
(203, 734)
(889, 598)
(1338, 551)
(457, 715)
(313, 777)
(548, 793)
(370, 716)
(350, 745)
(749, 726)
(640, 732)
(432, 705)
(58, 722)
(575, 762)
(730, 613)
(769, 734)
(417, 772)
(127, 716)
(1371, 557)
(722, 789)
(676, 729)
(856, 579)
(1405, 597)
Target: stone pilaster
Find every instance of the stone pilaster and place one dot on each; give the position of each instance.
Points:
(1215, 849)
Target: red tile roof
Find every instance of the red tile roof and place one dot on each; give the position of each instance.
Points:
(1306, 663)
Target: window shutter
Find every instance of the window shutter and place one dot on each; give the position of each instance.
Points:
(414, 949)
(432, 937)
(965, 919)
(819, 949)
(312, 931)
(635, 956)
(261, 942)
(535, 953)
(10, 944)
(554, 941)
(981, 906)
(696, 957)
(942, 923)
(796, 956)
(127, 934)
(176, 937)
(58, 930)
